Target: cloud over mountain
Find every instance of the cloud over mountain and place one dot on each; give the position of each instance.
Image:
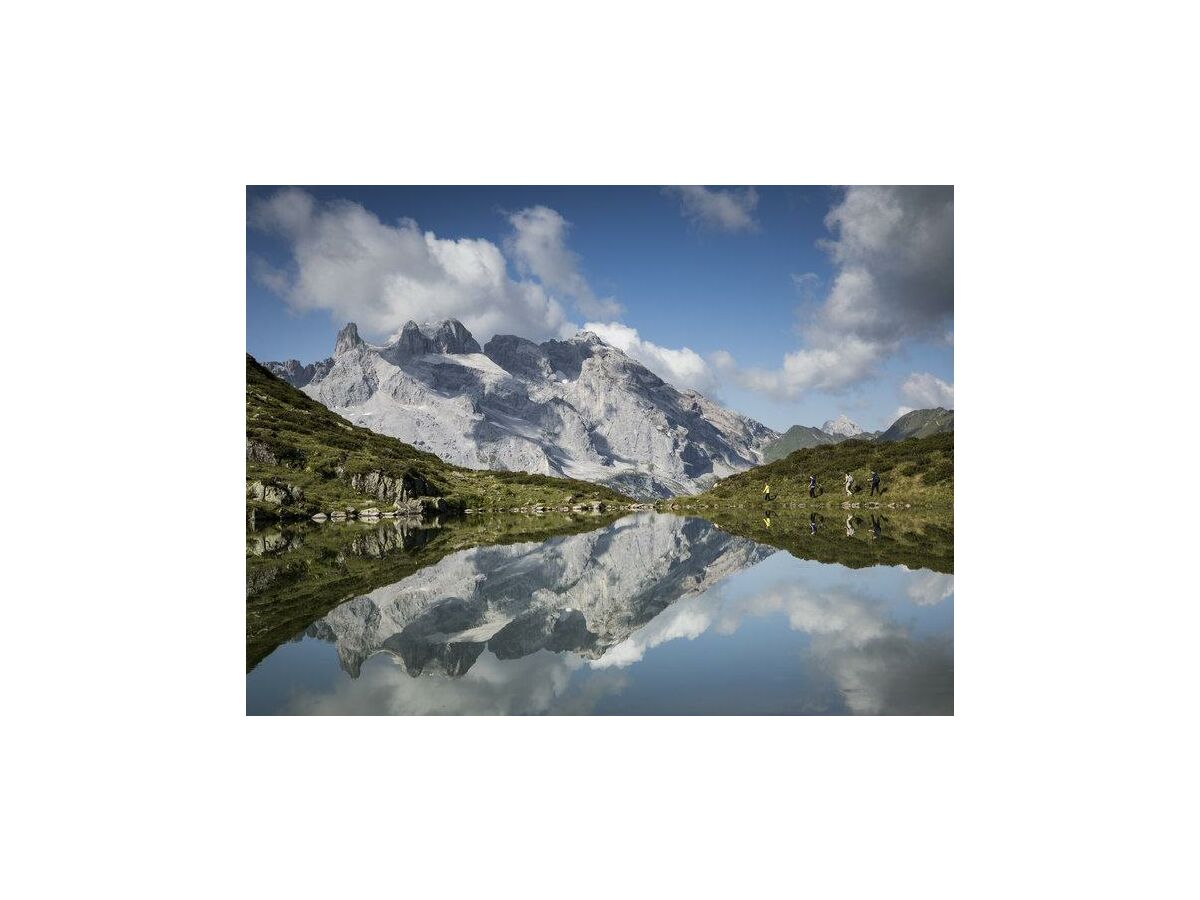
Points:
(343, 259)
(538, 246)
(924, 390)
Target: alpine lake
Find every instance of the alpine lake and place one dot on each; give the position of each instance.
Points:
(823, 612)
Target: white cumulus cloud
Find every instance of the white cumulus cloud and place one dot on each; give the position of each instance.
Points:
(894, 281)
(348, 262)
(924, 390)
(538, 247)
(829, 365)
(722, 210)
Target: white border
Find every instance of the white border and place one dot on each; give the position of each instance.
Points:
(133, 131)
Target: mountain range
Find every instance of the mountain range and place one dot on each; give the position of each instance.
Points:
(801, 437)
(918, 423)
(576, 408)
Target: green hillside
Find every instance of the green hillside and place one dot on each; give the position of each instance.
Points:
(801, 437)
(919, 471)
(302, 459)
(920, 423)
(798, 437)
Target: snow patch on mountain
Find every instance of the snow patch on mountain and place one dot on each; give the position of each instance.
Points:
(842, 427)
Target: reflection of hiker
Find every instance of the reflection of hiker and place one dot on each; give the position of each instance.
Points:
(874, 526)
(849, 526)
(812, 485)
(812, 523)
(767, 521)
(875, 484)
(767, 491)
(849, 485)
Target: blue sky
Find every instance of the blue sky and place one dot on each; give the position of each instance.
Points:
(796, 303)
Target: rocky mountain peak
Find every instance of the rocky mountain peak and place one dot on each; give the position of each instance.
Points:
(518, 355)
(841, 426)
(446, 336)
(347, 339)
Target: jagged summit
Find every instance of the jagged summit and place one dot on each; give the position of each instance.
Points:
(577, 407)
(446, 336)
(347, 339)
(841, 426)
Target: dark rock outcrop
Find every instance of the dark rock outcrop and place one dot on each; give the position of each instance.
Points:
(274, 492)
(398, 490)
(449, 336)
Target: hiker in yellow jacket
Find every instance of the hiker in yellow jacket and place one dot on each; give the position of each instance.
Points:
(767, 491)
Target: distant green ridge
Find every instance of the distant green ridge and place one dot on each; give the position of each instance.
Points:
(920, 423)
(798, 437)
(802, 437)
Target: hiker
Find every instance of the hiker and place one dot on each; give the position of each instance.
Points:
(875, 484)
(849, 485)
(767, 491)
(812, 485)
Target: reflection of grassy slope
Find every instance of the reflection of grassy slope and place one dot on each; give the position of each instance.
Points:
(919, 542)
(319, 451)
(288, 590)
(918, 471)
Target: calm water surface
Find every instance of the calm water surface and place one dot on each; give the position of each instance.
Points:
(649, 614)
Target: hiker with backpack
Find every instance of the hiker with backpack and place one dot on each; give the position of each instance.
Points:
(875, 484)
(812, 485)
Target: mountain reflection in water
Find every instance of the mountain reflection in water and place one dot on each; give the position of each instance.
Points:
(652, 613)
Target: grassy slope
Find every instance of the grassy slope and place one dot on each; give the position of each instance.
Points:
(920, 423)
(312, 444)
(323, 566)
(798, 437)
(919, 471)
